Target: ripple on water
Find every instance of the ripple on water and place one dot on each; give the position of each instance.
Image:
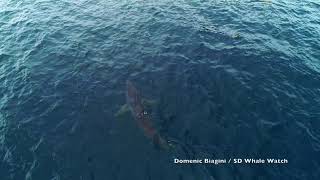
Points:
(242, 76)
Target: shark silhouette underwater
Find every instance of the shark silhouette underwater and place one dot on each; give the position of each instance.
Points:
(138, 108)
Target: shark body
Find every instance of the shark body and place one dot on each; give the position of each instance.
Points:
(143, 118)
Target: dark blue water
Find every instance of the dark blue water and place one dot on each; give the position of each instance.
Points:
(240, 79)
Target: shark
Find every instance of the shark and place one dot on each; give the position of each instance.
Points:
(137, 105)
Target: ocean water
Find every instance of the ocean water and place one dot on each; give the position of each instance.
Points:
(231, 79)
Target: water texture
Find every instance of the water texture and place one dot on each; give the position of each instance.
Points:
(241, 79)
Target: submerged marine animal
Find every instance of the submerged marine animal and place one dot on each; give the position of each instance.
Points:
(143, 119)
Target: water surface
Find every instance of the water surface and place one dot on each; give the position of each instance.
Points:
(239, 76)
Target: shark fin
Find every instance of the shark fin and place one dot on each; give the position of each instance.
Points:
(123, 110)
